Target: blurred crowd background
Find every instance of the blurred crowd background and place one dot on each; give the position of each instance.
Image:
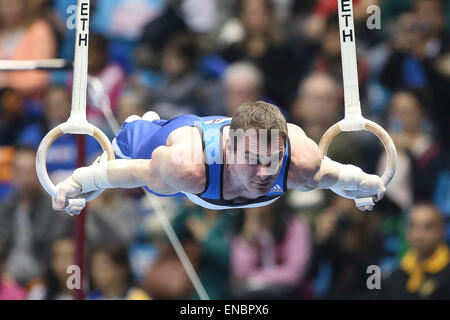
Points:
(207, 57)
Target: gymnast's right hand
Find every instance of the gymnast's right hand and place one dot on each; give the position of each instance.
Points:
(84, 180)
(66, 189)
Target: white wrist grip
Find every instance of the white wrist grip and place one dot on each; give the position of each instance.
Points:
(349, 177)
(94, 177)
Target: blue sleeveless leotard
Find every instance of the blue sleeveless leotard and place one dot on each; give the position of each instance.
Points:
(137, 140)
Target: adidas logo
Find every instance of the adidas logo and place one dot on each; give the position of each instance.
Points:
(275, 188)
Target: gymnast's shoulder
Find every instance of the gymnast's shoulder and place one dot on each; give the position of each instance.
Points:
(306, 157)
(185, 164)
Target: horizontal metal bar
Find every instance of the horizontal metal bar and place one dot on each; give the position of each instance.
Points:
(28, 65)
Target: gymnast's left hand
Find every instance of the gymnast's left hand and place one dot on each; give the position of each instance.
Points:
(370, 186)
(68, 188)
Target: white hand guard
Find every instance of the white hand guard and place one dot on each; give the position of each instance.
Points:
(94, 177)
(350, 177)
(354, 184)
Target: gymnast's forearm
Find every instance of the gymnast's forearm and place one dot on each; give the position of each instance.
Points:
(139, 173)
(128, 173)
(117, 174)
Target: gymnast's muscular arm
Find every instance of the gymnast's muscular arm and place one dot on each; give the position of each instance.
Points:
(172, 168)
(309, 170)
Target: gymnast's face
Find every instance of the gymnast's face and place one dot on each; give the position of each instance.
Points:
(256, 164)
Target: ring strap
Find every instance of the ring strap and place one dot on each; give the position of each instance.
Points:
(353, 120)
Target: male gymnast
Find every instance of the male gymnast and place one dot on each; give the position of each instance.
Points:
(248, 160)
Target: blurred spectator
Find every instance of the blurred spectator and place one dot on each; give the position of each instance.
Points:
(44, 9)
(53, 286)
(181, 89)
(345, 244)
(110, 74)
(62, 156)
(14, 115)
(329, 58)
(243, 82)
(270, 255)
(313, 27)
(264, 44)
(415, 39)
(431, 15)
(13, 118)
(166, 278)
(392, 9)
(111, 275)
(420, 158)
(124, 19)
(157, 33)
(200, 16)
(22, 36)
(130, 102)
(112, 217)
(122, 22)
(424, 271)
(9, 289)
(316, 35)
(283, 9)
(419, 59)
(419, 38)
(205, 237)
(27, 222)
(6, 161)
(438, 71)
(229, 28)
(318, 106)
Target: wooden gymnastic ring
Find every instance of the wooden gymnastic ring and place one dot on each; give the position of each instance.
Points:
(41, 159)
(376, 129)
